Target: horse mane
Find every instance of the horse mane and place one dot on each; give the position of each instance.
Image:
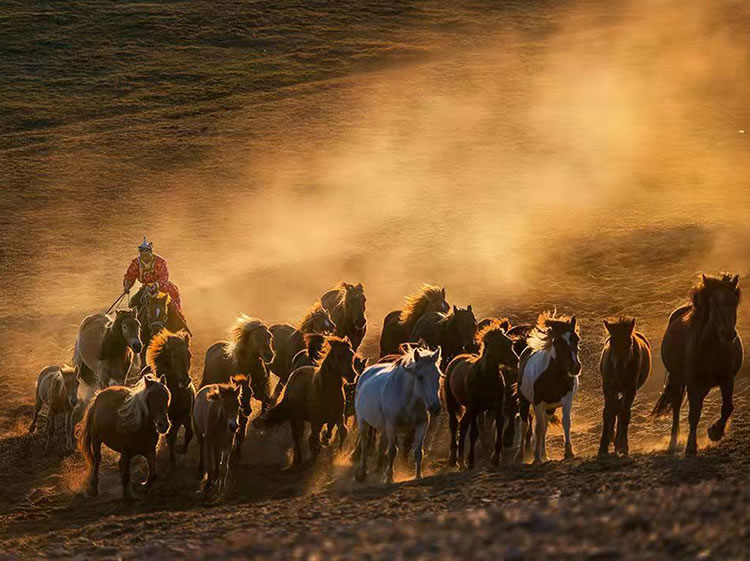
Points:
(113, 343)
(328, 344)
(416, 304)
(314, 344)
(156, 353)
(239, 334)
(133, 411)
(707, 285)
(306, 324)
(541, 336)
(495, 326)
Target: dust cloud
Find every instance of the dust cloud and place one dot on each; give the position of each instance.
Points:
(589, 160)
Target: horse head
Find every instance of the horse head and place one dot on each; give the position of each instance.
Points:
(565, 342)
(354, 305)
(228, 397)
(715, 300)
(437, 301)
(497, 345)
(70, 377)
(246, 393)
(426, 371)
(157, 401)
(129, 328)
(157, 310)
(621, 333)
(320, 321)
(464, 325)
(338, 355)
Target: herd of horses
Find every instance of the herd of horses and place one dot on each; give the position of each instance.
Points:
(433, 357)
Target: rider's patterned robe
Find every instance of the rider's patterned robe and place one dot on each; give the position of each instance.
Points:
(150, 273)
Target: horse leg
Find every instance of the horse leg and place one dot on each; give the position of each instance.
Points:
(523, 410)
(541, 425)
(419, 433)
(188, 437)
(390, 434)
(342, 431)
(298, 428)
(69, 429)
(96, 457)
(509, 435)
(382, 452)
(451, 406)
(364, 440)
(677, 397)
(623, 422)
(473, 433)
(499, 436)
(51, 414)
(202, 455)
(37, 407)
(462, 429)
(567, 407)
(314, 440)
(124, 465)
(210, 461)
(716, 430)
(151, 460)
(171, 443)
(696, 395)
(239, 438)
(608, 421)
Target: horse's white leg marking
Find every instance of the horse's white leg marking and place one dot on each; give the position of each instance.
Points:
(419, 433)
(521, 454)
(364, 438)
(540, 432)
(567, 403)
(390, 434)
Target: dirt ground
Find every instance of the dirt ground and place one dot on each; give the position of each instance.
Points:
(651, 505)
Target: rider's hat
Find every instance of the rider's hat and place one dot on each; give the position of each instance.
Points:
(146, 245)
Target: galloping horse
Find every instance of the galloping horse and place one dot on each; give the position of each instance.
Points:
(156, 311)
(453, 332)
(128, 421)
(289, 340)
(548, 378)
(391, 396)
(169, 357)
(346, 304)
(399, 324)
(104, 350)
(625, 365)
(57, 388)
(701, 349)
(476, 383)
(316, 394)
(247, 352)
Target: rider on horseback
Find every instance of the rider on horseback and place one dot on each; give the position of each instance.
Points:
(151, 270)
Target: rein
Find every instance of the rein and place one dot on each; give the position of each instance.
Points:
(116, 302)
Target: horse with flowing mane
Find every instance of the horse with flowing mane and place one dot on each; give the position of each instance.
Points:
(399, 324)
(104, 350)
(248, 351)
(157, 311)
(346, 305)
(547, 379)
(129, 421)
(289, 340)
(169, 356)
(701, 349)
(453, 332)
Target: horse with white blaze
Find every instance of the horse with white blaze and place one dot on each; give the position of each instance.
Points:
(398, 395)
(548, 379)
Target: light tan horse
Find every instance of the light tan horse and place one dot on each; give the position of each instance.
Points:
(104, 350)
(57, 388)
(129, 421)
(215, 421)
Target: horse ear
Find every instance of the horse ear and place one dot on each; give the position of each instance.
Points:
(416, 354)
(608, 326)
(213, 394)
(505, 324)
(573, 322)
(442, 291)
(469, 308)
(149, 380)
(704, 278)
(365, 361)
(359, 286)
(632, 325)
(735, 280)
(163, 379)
(438, 355)
(236, 391)
(348, 286)
(186, 338)
(455, 309)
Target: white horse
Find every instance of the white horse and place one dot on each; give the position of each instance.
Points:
(397, 395)
(104, 351)
(57, 388)
(548, 379)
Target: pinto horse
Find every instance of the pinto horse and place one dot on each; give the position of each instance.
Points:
(475, 383)
(701, 349)
(625, 365)
(548, 378)
(399, 324)
(346, 305)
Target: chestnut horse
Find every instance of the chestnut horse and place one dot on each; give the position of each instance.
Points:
(701, 349)
(399, 324)
(346, 304)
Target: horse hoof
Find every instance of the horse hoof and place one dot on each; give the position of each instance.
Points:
(715, 433)
(92, 492)
(538, 461)
(569, 454)
(32, 428)
(691, 451)
(360, 475)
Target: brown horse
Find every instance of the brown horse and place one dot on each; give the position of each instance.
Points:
(399, 324)
(156, 311)
(316, 394)
(57, 388)
(215, 422)
(453, 332)
(104, 350)
(289, 340)
(314, 343)
(128, 421)
(701, 349)
(625, 365)
(475, 383)
(346, 304)
(169, 356)
(248, 351)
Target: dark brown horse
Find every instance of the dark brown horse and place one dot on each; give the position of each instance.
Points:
(454, 332)
(169, 356)
(346, 305)
(289, 340)
(475, 383)
(701, 349)
(399, 324)
(128, 421)
(314, 343)
(247, 352)
(316, 394)
(156, 311)
(625, 365)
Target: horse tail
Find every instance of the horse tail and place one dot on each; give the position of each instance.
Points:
(671, 393)
(85, 439)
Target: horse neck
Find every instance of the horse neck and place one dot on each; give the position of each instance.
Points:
(488, 363)
(113, 344)
(327, 374)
